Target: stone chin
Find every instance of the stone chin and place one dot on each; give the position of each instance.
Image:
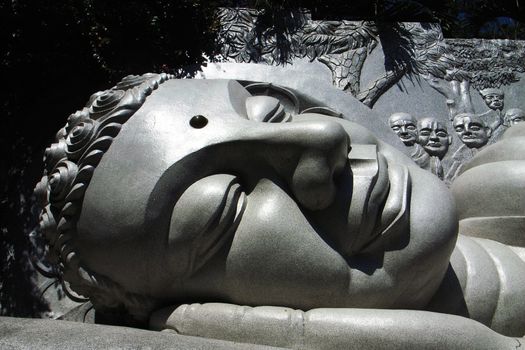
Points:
(471, 142)
(408, 140)
(496, 105)
(437, 150)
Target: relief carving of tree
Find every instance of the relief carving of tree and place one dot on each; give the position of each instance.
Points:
(476, 63)
(341, 45)
(451, 67)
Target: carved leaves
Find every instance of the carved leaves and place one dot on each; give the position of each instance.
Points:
(490, 63)
(342, 45)
(236, 34)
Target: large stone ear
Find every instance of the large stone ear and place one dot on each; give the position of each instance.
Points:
(489, 131)
(449, 139)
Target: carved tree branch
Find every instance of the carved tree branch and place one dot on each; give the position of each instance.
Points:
(457, 94)
(370, 96)
(454, 85)
(440, 86)
(466, 101)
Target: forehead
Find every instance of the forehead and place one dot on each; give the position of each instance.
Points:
(468, 120)
(402, 120)
(183, 98)
(494, 94)
(156, 137)
(432, 124)
(163, 122)
(461, 121)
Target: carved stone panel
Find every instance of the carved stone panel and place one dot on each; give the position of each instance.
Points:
(400, 68)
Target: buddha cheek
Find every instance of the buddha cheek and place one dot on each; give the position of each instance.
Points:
(277, 258)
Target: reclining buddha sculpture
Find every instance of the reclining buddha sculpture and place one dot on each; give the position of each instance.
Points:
(197, 206)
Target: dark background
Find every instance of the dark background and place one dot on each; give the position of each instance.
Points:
(55, 54)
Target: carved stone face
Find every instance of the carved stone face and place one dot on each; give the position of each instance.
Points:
(200, 199)
(494, 100)
(471, 130)
(433, 137)
(404, 125)
(514, 116)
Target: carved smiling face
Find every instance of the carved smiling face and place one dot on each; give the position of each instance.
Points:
(201, 197)
(471, 130)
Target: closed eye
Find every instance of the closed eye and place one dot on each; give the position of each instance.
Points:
(266, 109)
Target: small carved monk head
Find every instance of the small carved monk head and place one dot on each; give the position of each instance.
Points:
(404, 125)
(471, 130)
(433, 137)
(494, 98)
(514, 116)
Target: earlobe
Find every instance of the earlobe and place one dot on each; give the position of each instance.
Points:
(450, 140)
(489, 131)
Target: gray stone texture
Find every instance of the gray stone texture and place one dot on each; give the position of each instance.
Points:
(28, 334)
(490, 192)
(332, 328)
(280, 181)
(236, 196)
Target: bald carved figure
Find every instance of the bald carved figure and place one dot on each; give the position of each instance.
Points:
(405, 126)
(433, 137)
(514, 116)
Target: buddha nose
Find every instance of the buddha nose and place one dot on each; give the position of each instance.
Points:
(308, 155)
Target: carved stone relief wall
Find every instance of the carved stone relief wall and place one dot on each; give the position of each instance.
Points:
(458, 95)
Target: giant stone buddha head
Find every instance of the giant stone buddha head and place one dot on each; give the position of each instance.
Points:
(164, 191)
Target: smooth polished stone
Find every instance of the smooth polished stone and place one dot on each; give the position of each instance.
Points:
(26, 334)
